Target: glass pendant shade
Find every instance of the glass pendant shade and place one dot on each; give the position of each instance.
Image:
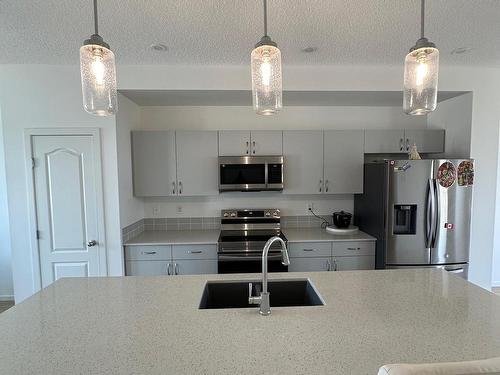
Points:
(97, 66)
(421, 81)
(266, 79)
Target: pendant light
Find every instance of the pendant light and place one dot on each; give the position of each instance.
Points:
(421, 74)
(266, 74)
(97, 67)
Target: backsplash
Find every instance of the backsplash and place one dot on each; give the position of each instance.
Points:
(206, 223)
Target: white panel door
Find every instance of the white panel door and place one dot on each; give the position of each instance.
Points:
(303, 161)
(383, 141)
(234, 142)
(153, 154)
(69, 209)
(267, 142)
(344, 161)
(309, 264)
(427, 140)
(197, 163)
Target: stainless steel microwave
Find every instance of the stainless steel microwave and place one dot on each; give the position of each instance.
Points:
(250, 173)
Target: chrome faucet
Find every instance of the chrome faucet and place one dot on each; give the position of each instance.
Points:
(263, 299)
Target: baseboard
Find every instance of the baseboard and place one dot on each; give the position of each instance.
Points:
(6, 298)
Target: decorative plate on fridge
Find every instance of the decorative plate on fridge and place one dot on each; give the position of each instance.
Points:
(446, 174)
(465, 173)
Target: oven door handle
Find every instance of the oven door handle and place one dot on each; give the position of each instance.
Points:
(232, 258)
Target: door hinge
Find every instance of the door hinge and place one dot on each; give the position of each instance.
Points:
(33, 163)
(38, 234)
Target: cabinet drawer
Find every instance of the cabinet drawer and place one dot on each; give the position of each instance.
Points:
(194, 252)
(353, 248)
(148, 252)
(148, 268)
(353, 263)
(310, 249)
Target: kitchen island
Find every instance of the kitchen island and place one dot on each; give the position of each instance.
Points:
(152, 325)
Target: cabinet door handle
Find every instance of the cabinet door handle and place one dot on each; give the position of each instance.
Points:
(176, 269)
(169, 269)
(308, 249)
(335, 265)
(401, 145)
(407, 144)
(326, 186)
(253, 147)
(149, 252)
(328, 265)
(320, 186)
(248, 147)
(173, 187)
(180, 187)
(353, 248)
(195, 251)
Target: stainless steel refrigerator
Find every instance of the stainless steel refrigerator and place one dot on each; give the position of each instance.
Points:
(419, 211)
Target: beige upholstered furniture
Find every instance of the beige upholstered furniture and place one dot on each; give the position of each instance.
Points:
(485, 366)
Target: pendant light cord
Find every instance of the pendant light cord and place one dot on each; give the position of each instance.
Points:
(422, 18)
(265, 17)
(96, 28)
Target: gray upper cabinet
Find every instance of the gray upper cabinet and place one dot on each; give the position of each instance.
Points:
(427, 140)
(266, 142)
(154, 165)
(384, 141)
(303, 164)
(234, 142)
(197, 163)
(343, 161)
(245, 142)
(399, 141)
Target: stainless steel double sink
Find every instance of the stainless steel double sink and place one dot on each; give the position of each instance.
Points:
(283, 293)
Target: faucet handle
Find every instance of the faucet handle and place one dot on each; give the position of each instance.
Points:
(251, 299)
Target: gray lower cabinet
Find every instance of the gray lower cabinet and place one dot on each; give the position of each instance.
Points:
(332, 256)
(353, 263)
(309, 264)
(170, 260)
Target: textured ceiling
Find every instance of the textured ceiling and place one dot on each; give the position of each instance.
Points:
(215, 32)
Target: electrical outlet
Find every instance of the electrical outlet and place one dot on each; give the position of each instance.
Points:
(310, 206)
(179, 209)
(156, 211)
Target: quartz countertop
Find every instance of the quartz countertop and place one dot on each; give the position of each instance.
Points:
(152, 325)
(203, 237)
(176, 237)
(321, 235)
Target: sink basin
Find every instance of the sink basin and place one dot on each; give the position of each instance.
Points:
(234, 294)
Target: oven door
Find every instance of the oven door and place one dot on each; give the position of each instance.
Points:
(249, 262)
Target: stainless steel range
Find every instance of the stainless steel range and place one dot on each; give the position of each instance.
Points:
(243, 236)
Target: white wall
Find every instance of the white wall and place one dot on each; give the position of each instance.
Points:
(454, 115)
(234, 117)
(127, 119)
(41, 96)
(6, 286)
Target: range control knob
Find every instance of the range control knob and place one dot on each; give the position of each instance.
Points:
(268, 213)
(226, 214)
(233, 214)
(276, 213)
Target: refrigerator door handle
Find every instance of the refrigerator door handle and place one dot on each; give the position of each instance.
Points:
(435, 214)
(429, 214)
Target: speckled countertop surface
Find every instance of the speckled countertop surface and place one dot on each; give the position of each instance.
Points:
(321, 235)
(176, 237)
(139, 325)
(193, 237)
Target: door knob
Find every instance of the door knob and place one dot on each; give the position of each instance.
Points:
(91, 243)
